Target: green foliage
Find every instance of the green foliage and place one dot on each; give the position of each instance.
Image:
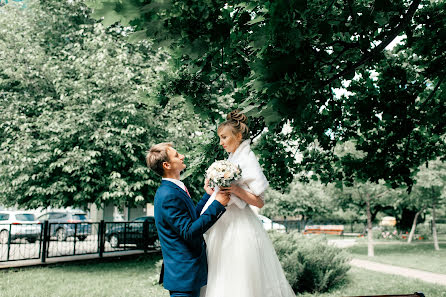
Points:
(390, 114)
(277, 164)
(381, 198)
(282, 60)
(386, 233)
(74, 128)
(431, 181)
(424, 231)
(429, 189)
(312, 200)
(206, 152)
(310, 264)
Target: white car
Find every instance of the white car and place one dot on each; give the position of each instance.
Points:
(21, 225)
(268, 224)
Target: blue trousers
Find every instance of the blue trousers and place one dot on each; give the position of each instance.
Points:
(195, 293)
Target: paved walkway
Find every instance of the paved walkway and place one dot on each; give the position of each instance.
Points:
(425, 276)
(342, 243)
(55, 260)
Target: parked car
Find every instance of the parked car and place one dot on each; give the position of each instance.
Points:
(21, 224)
(123, 233)
(69, 223)
(268, 224)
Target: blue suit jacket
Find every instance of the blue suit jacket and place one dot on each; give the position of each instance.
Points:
(180, 230)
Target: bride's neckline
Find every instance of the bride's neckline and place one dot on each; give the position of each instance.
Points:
(241, 147)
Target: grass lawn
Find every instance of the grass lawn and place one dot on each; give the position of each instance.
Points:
(365, 282)
(125, 277)
(136, 277)
(418, 255)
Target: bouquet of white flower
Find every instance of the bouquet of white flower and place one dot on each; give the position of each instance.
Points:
(223, 173)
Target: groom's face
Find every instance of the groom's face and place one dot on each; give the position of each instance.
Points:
(175, 163)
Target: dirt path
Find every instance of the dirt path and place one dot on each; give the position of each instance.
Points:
(426, 276)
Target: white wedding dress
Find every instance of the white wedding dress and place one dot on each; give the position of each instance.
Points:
(242, 261)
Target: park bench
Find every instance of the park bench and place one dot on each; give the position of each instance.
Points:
(416, 294)
(324, 229)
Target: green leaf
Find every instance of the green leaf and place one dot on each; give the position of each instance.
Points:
(137, 36)
(256, 20)
(249, 108)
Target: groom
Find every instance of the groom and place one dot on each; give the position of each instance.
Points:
(180, 226)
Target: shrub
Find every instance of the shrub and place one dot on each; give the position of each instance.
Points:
(310, 264)
(423, 231)
(387, 233)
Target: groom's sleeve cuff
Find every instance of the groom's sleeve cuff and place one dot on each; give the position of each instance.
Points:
(220, 208)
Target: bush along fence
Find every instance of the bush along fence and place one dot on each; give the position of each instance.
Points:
(347, 227)
(356, 228)
(48, 240)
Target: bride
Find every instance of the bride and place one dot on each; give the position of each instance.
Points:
(242, 261)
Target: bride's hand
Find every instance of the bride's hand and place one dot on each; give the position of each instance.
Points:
(231, 189)
(208, 189)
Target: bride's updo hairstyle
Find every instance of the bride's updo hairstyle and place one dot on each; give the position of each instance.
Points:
(237, 121)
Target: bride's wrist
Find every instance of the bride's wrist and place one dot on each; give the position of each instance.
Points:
(236, 190)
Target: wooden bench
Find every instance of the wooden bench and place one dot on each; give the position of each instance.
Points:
(416, 294)
(324, 229)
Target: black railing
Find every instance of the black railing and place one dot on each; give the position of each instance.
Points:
(20, 241)
(49, 240)
(290, 224)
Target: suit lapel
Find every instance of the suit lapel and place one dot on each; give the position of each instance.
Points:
(183, 195)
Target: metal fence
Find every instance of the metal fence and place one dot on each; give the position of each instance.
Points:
(26, 239)
(299, 225)
(291, 224)
(49, 240)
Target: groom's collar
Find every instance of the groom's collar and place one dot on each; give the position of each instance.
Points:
(176, 182)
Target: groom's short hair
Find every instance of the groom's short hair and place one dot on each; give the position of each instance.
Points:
(157, 155)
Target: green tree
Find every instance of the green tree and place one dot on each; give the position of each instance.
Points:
(369, 196)
(310, 200)
(430, 190)
(281, 61)
(78, 109)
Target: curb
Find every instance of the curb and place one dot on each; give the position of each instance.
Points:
(75, 259)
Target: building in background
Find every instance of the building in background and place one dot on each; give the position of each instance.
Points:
(108, 213)
(113, 213)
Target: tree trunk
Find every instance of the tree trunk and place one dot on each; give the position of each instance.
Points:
(371, 252)
(414, 225)
(434, 227)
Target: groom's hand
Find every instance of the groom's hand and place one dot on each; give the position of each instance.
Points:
(208, 189)
(222, 197)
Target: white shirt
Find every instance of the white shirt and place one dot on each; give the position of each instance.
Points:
(177, 182)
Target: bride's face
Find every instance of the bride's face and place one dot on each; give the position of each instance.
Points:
(228, 140)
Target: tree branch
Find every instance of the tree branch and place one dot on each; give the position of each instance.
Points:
(437, 86)
(391, 36)
(381, 194)
(328, 8)
(258, 133)
(344, 43)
